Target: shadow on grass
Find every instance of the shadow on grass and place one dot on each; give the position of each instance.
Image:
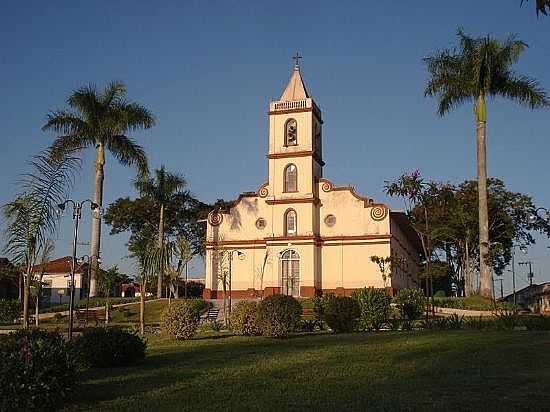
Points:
(353, 371)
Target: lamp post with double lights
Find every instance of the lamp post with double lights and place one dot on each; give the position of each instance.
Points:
(77, 214)
(239, 254)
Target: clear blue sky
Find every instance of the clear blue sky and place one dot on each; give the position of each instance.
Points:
(207, 70)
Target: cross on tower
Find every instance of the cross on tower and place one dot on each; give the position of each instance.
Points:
(296, 57)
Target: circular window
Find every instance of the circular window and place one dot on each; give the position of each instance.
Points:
(330, 220)
(261, 223)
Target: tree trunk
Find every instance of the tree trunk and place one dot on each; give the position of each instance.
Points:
(142, 308)
(96, 218)
(467, 272)
(160, 244)
(26, 295)
(37, 302)
(486, 283)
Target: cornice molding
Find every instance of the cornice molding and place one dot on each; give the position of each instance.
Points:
(302, 153)
(313, 200)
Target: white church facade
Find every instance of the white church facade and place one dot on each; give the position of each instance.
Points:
(298, 233)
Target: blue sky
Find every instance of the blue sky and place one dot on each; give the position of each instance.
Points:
(208, 69)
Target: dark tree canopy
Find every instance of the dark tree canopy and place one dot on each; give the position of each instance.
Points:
(140, 217)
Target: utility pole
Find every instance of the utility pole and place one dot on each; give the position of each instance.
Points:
(499, 279)
(530, 275)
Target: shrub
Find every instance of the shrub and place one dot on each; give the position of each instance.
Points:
(107, 347)
(243, 318)
(181, 318)
(37, 371)
(506, 319)
(440, 294)
(375, 307)
(340, 313)
(278, 315)
(410, 303)
(537, 322)
(9, 311)
(194, 289)
(319, 303)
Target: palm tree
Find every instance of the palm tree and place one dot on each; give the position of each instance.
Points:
(100, 120)
(541, 6)
(480, 68)
(161, 189)
(32, 217)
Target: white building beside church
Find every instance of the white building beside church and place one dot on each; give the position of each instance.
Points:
(299, 233)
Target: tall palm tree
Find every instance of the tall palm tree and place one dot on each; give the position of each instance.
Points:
(100, 120)
(161, 189)
(480, 68)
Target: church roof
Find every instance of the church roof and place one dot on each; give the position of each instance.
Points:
(295, 89)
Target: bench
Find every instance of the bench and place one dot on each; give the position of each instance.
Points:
(82, 317)
(210, 315)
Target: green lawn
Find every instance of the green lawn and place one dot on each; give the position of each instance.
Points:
(460, 370)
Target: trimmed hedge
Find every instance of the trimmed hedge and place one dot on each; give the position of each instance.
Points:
(340, 313)
(180, 319)
(278, 315)
(375, 307)
(10, 311)
(243, 318)
(472, 303)
(37, 371)
(108, 347)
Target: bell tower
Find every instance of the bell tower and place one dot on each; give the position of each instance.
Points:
(295, 141)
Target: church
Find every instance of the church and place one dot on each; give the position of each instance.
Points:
(299, 233)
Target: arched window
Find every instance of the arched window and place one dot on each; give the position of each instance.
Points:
(290, 273)
(291, 178)
(290, 223)
(291, 132)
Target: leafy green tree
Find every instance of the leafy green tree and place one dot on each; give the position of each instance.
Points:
(162, 189)
(32, 217)
(140, 217)
(452, 211)
(102, 120)
(477, 69)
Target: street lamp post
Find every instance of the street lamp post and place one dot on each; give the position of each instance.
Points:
(77, 214)
(239, 253)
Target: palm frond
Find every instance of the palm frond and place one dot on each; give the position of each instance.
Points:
(33, 215)
(541, 6)
(480, 66)
(523, 89)
(113, 93)
(128, 152)
(64, 122)
(86, 100)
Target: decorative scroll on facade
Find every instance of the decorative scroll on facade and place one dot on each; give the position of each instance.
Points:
(378, 213)
(215, 218)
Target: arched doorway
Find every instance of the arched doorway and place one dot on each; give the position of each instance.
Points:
(290, 273)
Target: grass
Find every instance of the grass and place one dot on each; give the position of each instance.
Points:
(462, 370)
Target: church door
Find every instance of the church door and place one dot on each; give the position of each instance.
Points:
(290, 273)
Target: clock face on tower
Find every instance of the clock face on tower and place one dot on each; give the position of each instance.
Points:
(291, 138)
